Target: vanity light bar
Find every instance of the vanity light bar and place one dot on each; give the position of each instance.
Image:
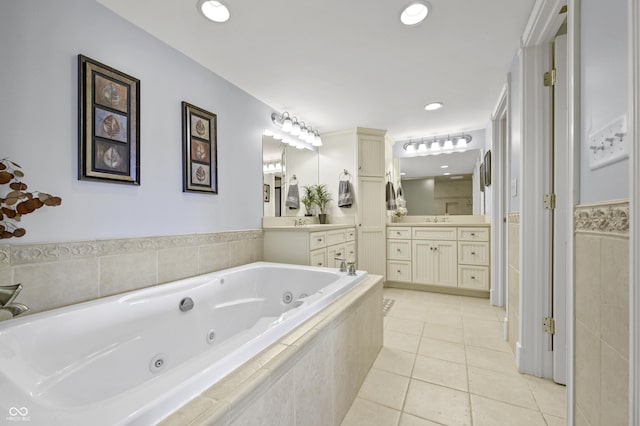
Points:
(297, 128)
(439, 145)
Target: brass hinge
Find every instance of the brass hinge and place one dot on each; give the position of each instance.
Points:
(549, 325)
(563, 9)
(550, 78)
(550, 201)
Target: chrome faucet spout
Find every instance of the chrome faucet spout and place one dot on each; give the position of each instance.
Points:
(8, 293)
(15, 308)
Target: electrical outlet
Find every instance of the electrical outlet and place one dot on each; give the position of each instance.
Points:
(609, 144)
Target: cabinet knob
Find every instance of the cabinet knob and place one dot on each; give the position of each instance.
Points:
(473, 234)
(319, 263)
(399, 250)
(399, 271)
(473, 278)
(319, 240)
(435, 248)
(397, 233)
(473, 253)
(338, 254)
(431, 248)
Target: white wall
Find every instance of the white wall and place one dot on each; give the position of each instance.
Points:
(38, 127)
(515, 124)
(338, 153)
(302, 163)
(603, 93)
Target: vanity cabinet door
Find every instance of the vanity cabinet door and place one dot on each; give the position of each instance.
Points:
(445, 263)
(422, 262)
(371, 155)
(318, 257)
(333, 252)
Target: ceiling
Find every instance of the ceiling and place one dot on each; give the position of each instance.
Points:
(342, 64)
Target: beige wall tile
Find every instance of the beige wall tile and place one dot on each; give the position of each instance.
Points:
(127, 272)
(345, 359)
(514, 245)
(587, 281)
(258, 249)
(214, 257)
(587, 373)
(275, 407)
(240, 252)
(54, 284)
(313, 380)
(580, 419)
(6, 276)
(177, 263)
(614, 328)
(189, 412)
(614, 391)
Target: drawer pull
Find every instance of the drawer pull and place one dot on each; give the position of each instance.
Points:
(319, 263)
(473, 277)
(473, 253)
(399, 271)
(397, 232)
(473, 234)
(338, 254)
(319, 240)
(399, 250)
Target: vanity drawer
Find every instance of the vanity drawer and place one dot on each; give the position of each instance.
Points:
(318, 257)
(399, 233)
(350, 251)
(473, 234)
(473, 277)
(317, 240)
(398, 270)
(336, 237)
(470, 253)
(434, 233)
(399, 249)
(351, 234)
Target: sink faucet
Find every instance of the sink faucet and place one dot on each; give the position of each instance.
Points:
(7, 296)
(300, 222)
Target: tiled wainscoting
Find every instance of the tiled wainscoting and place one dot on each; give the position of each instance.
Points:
(602, 314)
(60, 274)
(513, 313)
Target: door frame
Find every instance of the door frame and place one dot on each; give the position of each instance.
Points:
(532, 349)
(500, 202)
(634, 204)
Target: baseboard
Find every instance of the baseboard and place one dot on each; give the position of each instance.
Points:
(505, 328)
(519, 354)
(437, 289)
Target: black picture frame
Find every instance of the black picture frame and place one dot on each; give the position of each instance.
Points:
(108, 124)
(487, 168)
(199, 150)
(481, 176)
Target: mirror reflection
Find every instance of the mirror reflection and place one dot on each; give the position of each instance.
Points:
(439, 184)
(284, 166)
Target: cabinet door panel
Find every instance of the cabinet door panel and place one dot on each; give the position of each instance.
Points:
(333, 252)
(371, 251)
(445, 263)
(474, 277)
(473, 253)
(398, 270)
(371, 211)
(399, 249)
(350, 250)
(422, 262)
(319, 257)
(371, 156)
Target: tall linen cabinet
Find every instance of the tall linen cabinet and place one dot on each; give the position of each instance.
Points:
(363, 153)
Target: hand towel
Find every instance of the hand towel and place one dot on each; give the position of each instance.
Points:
(293, 197)
(345, 196)
(390, 196)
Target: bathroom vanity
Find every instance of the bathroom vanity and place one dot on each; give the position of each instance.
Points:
(451, 257)
(313, 245)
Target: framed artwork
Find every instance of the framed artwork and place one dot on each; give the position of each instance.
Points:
(487, 168)
(266, 192)
(481, 177)
(199, 150)
(108, 124)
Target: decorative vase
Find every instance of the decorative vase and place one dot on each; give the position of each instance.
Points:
(322, 218)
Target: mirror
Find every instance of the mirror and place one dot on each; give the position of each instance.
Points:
(281, 162)
(428, 191)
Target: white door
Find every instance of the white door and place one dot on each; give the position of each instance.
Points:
(561, 216)
(371, 225)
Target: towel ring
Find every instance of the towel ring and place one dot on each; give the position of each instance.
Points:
(346, 174)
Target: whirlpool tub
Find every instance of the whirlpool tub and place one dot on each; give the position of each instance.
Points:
(137, 357)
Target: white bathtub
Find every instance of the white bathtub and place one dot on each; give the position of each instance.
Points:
(135, 358)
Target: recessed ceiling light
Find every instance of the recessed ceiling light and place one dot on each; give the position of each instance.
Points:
(414, 13)
(403, 174)
(446, 174)
(214, 10)
(434, 106)
(444, 167)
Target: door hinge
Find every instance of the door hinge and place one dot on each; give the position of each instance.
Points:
(550, 201)
(549, 325)
(550, 78)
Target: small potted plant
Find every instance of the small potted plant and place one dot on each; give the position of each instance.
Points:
(323, 197)
(309, 199)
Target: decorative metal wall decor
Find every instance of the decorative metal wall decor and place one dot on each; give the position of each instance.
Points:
(199, 150)
(108, 124)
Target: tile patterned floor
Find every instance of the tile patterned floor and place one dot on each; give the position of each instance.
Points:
(445, 362)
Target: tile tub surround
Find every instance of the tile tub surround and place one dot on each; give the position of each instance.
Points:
(602, 313)
(310, 377)
(60, 274)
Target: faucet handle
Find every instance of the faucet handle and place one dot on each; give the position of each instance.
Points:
(352, 268)
(8, 293)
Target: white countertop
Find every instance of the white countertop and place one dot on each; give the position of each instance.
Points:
(439, 224)
(307, 228)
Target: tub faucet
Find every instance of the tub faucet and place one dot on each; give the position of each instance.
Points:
(7, 295)
(352, 268)
(343, 264)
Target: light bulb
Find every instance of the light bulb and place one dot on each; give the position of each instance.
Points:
(462, 142)
(435, 146)
(287, 125)
(411, 149)
(414, 13)
(448, 144)
(422, 148)
(214, 11)
(295, 128)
